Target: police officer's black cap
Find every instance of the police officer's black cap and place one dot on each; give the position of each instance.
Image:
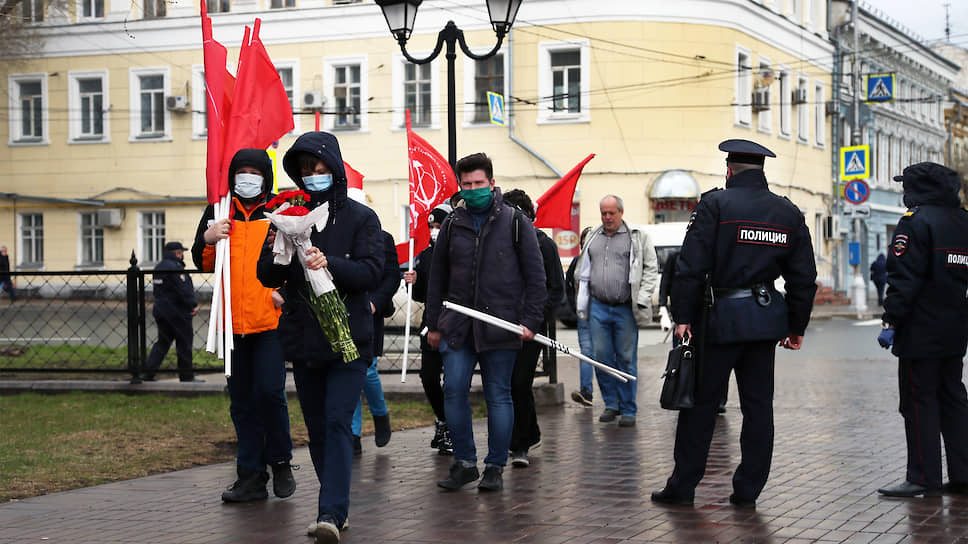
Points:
(925, 170)
(745, 151)
(172, 246)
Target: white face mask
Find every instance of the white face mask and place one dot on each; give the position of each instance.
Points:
(248, 185)
(433, 235)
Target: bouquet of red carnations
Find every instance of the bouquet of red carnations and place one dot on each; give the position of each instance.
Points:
(294, 223)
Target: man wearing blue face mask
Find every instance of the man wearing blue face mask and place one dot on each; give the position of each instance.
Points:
(486, 257)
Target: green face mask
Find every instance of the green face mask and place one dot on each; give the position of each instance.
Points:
(477, 199)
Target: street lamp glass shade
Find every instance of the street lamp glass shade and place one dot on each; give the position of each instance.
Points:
(502, 14)
(400, 16)
(839, 12)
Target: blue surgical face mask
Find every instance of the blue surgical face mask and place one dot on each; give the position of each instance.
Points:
(248, 185)
(319, 182)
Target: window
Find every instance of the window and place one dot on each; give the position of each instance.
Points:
(744, 89)
(803, 115)
(92, 240)
(564, 81)
(287, 74)
(764, 119)
(28, 108)
(414, 87)
(87, 96)
(155, 8)
(152, 236)
(199, 103)
(819, 115)
(149, 117)
(786, 101)
(92, 9)
(278, 4)
(33, 11)
(218, 6)
(416, 93)
(345, 86)
(818, 233)
(31, 239)
(488, 76)
(346, 94)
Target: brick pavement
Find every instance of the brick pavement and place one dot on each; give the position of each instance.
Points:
(839, 437)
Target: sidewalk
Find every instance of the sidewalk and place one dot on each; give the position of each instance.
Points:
(838, 438)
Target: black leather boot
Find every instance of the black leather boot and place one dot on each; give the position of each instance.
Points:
(381, 430)
(251, 486)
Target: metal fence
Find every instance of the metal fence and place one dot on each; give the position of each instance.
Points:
(99, 322)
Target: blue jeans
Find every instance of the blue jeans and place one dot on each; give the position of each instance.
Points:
(257, 400)
(373, 389)
(328, 395)
(585, 370)
(496, 368)
(615, 337)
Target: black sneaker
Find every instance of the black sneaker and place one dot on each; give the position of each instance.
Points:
(582, 396)
(626, 421)
(459, 477)
(608, 415)
(440, 427)
(492, 480)
(382, 431)
(251, 486)
(357, 446)
(283, 483)
(446, 445)
(518, 459)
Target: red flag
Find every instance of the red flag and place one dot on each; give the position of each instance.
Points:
(354, 179)
(432, 181)
(261, 112)
(554, 206)
(219, 86)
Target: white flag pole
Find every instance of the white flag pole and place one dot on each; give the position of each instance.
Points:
(227, 328)
(406, 326)
(539, 338)
(216, 309)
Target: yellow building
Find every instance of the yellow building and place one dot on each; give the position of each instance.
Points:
(105, 139)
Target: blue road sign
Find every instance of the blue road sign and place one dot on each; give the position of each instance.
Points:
(857, 191)
(853, 252)
(880, 87)
(495, 105)
(855, 162)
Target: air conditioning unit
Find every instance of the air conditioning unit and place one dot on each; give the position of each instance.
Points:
(109, 218)
(830, 107)
(177, 103)
(799, 96)
(313, 100)
(761, 99)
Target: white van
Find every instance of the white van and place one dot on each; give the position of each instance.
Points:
(667, 238)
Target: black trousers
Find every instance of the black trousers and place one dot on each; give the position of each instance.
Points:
(752, 363)
(525, 431)
(431, 367)
(934, 405)
(177, 328)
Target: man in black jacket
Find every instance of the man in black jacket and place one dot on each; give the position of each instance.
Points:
(483, 262)
(5, 282)
(926, 320)
(173, 310)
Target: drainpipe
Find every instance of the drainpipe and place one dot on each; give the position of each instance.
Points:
(951, 126)
(508, 108)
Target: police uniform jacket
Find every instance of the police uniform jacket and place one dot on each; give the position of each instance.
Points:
(743, 236)
(927, 268)
(174, 293)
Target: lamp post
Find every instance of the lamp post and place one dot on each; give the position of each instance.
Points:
(400, 16)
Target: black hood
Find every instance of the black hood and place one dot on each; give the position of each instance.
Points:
(325, 147)
(930, 183)
(256, 158)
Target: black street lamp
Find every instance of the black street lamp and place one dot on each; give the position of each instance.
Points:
(400, 16)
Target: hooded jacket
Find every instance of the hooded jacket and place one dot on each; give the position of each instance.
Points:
(353, 245)
(927, 267)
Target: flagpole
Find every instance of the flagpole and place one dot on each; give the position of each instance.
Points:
(406, 326)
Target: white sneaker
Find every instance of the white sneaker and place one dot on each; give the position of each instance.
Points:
(325, 532)
(311, 530)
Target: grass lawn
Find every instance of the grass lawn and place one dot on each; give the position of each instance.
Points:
(55, 443)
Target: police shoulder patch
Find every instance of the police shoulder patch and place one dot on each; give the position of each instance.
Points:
(910, 212)
(900, 244)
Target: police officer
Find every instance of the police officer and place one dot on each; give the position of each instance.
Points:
(742, 239)
(926, 320)
(175, 306)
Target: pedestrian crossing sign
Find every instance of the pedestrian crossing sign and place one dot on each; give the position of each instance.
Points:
(880, 87)
(854, 162)
(495, 106)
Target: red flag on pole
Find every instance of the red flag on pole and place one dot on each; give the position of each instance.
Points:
(261, 112)
(554, 206)
(219, 86)
(432, 181)
(354, 179)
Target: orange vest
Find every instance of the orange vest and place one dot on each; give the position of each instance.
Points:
(252, 307)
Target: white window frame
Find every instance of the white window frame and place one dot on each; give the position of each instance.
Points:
(98, 232)
(75, 110)
(16, 137)
(292, 64)
(330, 64)
(199, 103)
(803, 114)
(785, 129)
(134, 83)
(18, 12)
(399, 118)
(546, 82)
(470, 87)
(819, 114)
(818, 232)
(22, 240)
(147, 233)
(764, 119)
(743, 83)
(92, 17)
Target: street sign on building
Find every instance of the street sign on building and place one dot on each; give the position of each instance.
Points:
(855, 162)
(880, 87)
(495, 106)
(857, 191)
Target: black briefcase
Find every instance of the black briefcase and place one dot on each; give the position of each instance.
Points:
(679, 387)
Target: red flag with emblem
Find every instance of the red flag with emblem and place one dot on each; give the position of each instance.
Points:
(554, 206)
(219, 87)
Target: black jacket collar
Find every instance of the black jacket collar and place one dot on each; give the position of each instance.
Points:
(748, 178)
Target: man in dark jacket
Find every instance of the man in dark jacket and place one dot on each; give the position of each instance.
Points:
(926, 320)
(482, 261)
(5, 282)
(173, 310)
(526, 433)
(879, 276)
(350, 247)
